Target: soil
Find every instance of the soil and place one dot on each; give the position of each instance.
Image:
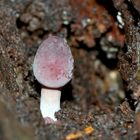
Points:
(102, 99)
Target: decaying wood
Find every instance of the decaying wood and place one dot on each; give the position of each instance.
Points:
(12, 69)
(130, 56)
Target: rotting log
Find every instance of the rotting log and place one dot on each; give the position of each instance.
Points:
(13, 67)
(129, 58)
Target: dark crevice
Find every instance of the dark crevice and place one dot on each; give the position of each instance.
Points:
(130, 100)
(109, 7)
(135, 14)
(67, 93)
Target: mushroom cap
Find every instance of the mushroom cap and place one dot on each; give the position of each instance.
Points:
(53, 62)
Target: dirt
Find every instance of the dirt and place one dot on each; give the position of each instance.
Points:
(102, 99)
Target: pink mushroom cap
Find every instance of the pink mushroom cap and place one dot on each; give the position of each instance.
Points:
(53, 62)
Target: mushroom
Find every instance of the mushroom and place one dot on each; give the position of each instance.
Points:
(53, 68)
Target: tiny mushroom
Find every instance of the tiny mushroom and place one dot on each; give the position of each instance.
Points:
(53, 68)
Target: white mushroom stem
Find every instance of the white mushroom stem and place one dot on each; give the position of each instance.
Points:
(50, 102)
